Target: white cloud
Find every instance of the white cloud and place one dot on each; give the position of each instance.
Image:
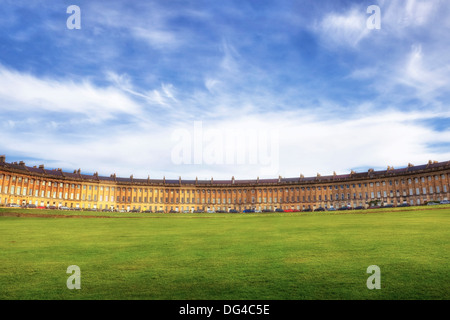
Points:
(346, 29)
(304, 142)
(27, 93)
(160, 39)
(425, 79)
(398, 16)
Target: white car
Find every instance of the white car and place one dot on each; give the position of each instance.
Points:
(445, 202)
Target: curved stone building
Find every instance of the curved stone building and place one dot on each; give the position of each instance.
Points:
(414, 185)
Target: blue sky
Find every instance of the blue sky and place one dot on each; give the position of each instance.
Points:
(224, 88)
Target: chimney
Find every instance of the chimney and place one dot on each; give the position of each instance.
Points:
(22, 163)
(2, 159)
(41, 166)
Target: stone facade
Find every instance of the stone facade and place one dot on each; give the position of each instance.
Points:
(414, 185)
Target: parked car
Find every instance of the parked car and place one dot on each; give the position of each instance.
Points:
(319, 209)
(307, 210)
(445, 202)
(233, 211)
(279, 210)
(432, 203)
(289, 210)
(343, 208)
(404, 205)
(331, 209)
(249, 211)
(13, 205)
(388, 206)
(64, 208)
(30, 206)
(359, 208)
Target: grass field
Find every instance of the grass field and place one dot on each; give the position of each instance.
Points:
(227, 256)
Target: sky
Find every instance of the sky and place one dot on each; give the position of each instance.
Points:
(215, 89)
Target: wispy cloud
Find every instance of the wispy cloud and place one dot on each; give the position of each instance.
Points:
(28, 94)
(343, 29)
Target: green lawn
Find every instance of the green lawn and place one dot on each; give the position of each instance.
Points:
(227, 256)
